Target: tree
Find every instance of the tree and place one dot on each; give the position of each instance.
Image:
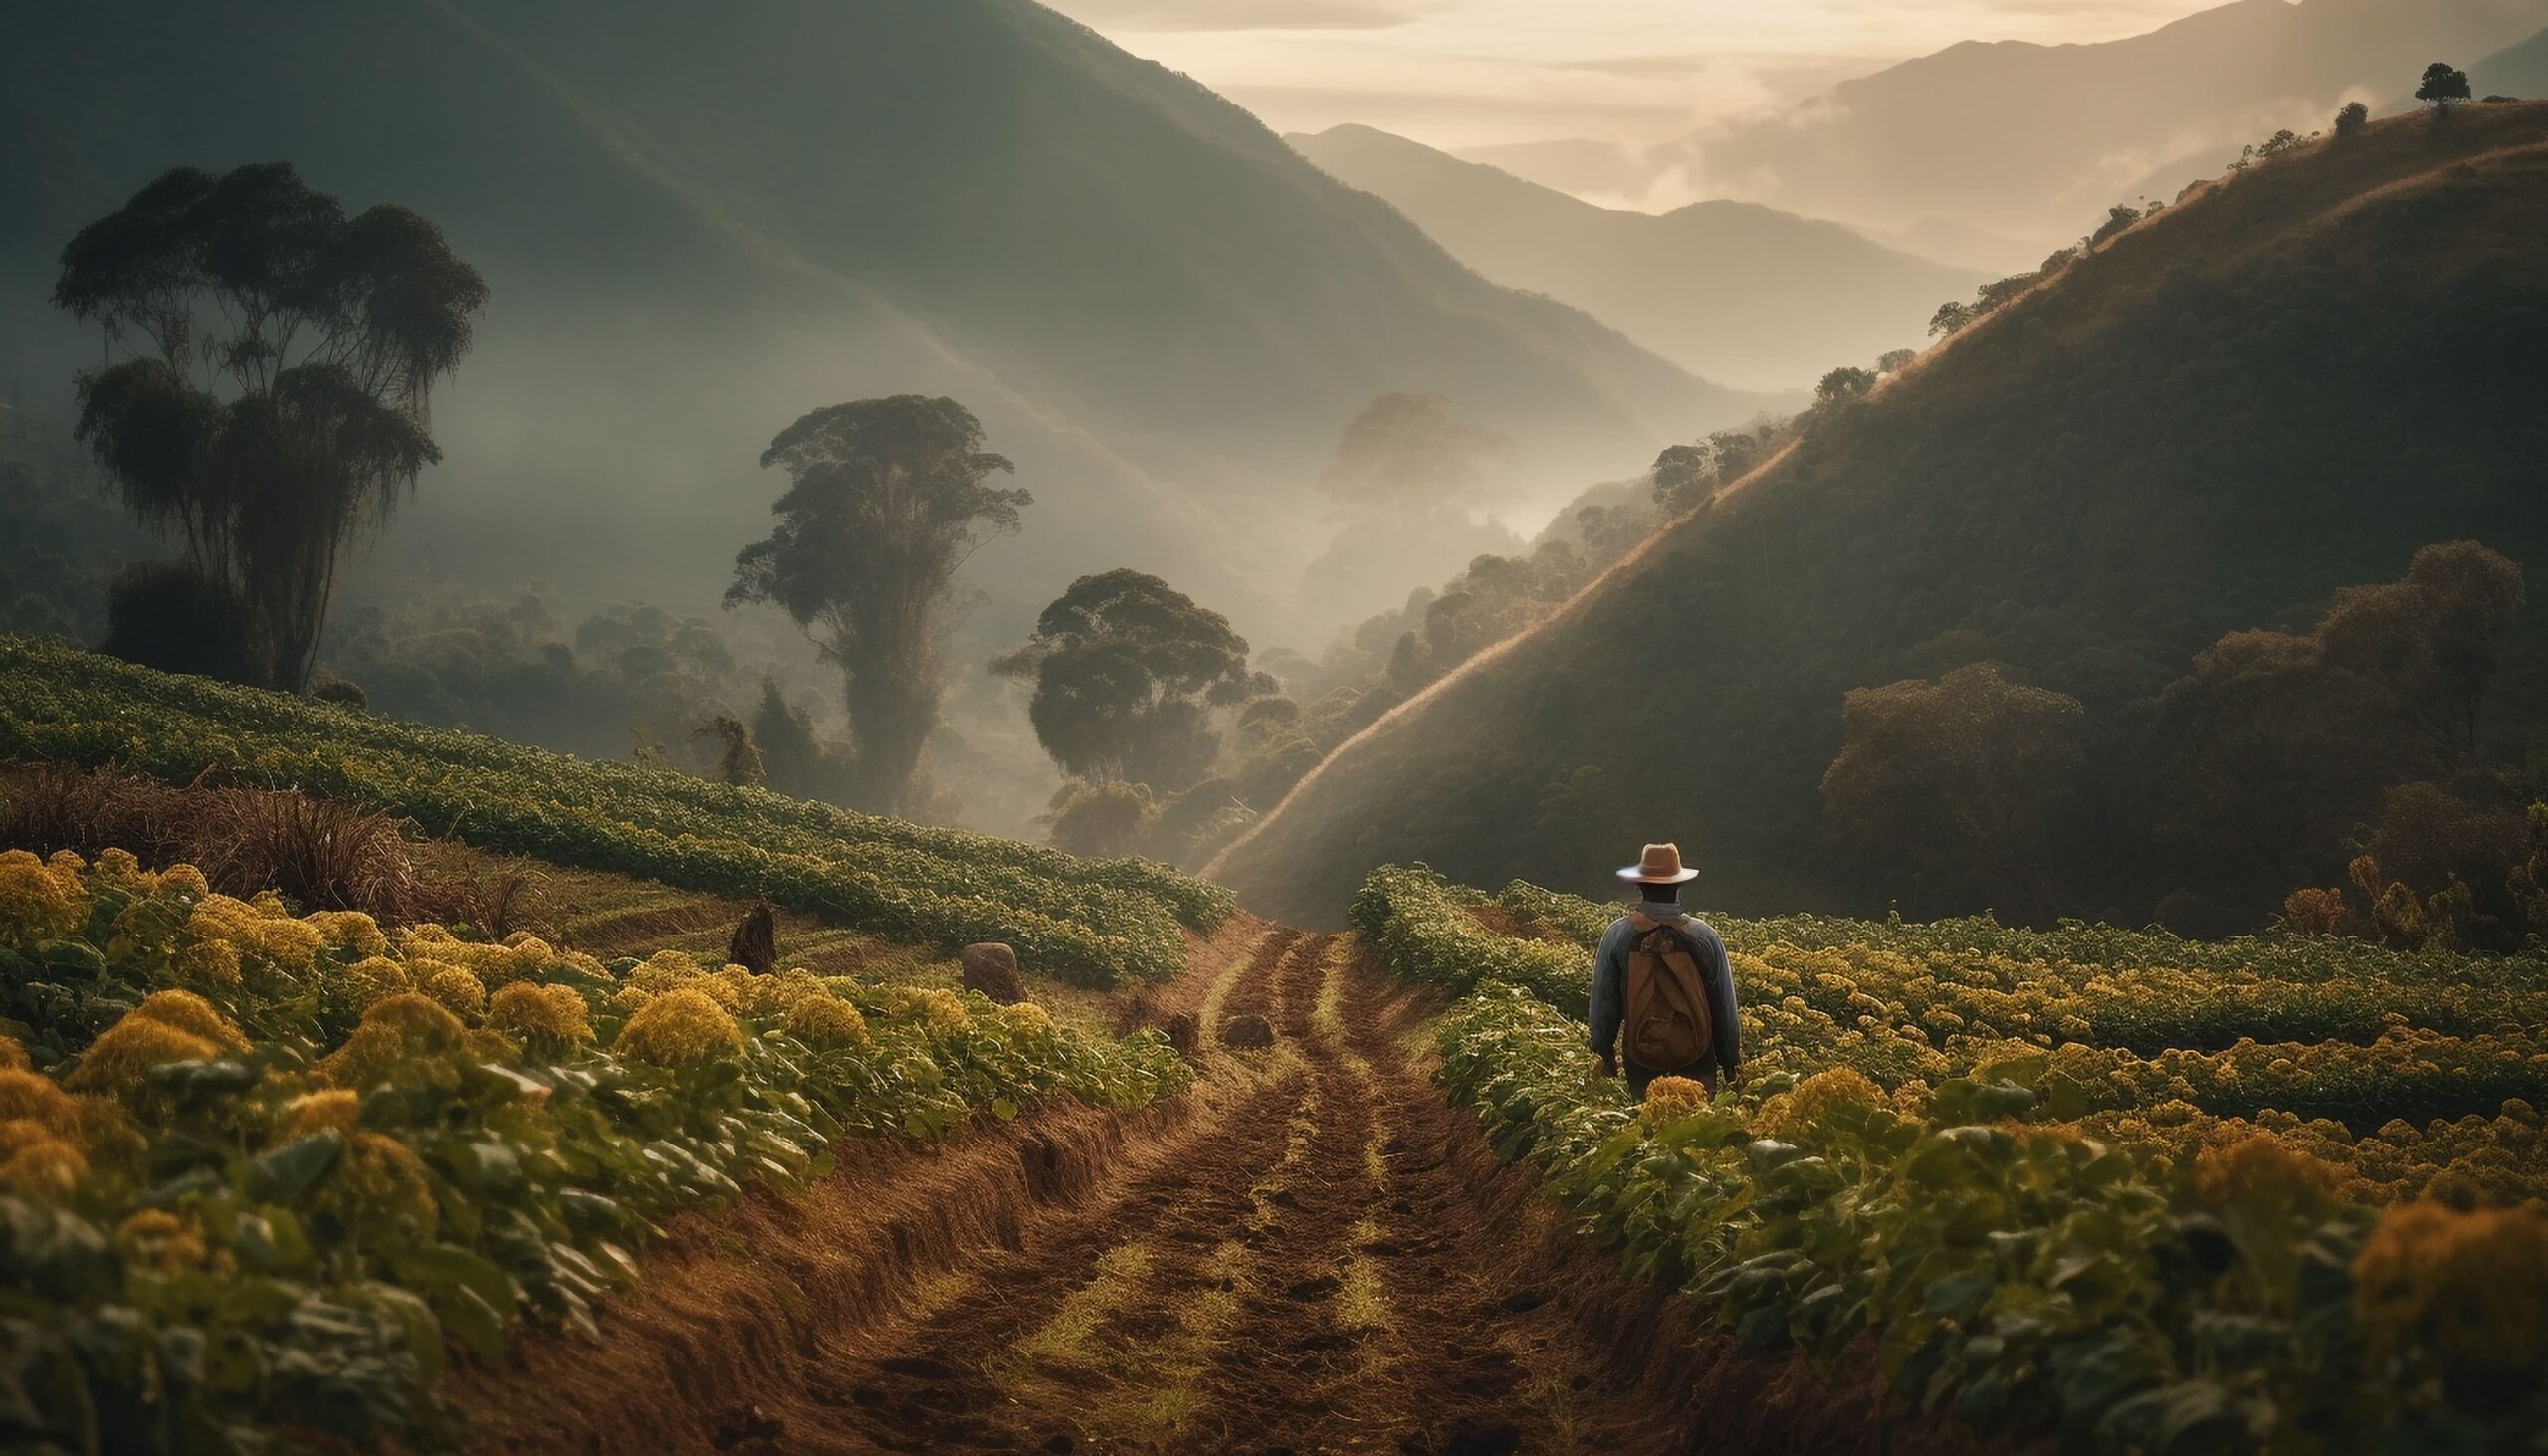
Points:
(738, 759)
(798, 761)
(1962, 779)
(169, 615)
(2269, 749)
(1842, 385)
(1409, 451)
(2281, 141)
(2352, 120)
(2443, 83)
(887, 499)
(1102, 818)
(1951, 317)
(1128, 673)
(271, 359)
(2434, 639)
(2118, 217)
(1683, 477)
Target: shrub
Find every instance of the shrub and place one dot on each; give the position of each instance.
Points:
(679, 1028)
(170, 616)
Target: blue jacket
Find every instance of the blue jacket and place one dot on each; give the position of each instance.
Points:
(1611, 982)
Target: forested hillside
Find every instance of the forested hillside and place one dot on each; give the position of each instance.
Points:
(2217, 422)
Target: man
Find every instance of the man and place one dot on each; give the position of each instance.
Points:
(1662, 978)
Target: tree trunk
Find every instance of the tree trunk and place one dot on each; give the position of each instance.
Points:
(893, 709)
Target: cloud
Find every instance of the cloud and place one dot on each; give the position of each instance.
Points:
(1221, 15)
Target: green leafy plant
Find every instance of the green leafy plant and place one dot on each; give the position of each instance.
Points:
(1098, 921)
(2032, 1227)
(257, 1169)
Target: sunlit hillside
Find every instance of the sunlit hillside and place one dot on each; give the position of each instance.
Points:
(2283, 387)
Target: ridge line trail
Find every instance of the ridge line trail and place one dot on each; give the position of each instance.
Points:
(1298, 1268)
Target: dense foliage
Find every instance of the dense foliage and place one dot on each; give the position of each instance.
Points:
(269, 359)
(886, 499)
(1128, 673)
(2182, 435)
(256, 1168)
(525, 667)
(1097, 922)
(1953, 1143)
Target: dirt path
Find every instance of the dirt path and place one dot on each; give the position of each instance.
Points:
(1304, 1277)
(1312, 1252)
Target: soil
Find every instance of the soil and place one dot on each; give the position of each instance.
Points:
(1313, 1251)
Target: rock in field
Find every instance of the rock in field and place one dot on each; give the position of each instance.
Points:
(991, 969)
(1248, 1031)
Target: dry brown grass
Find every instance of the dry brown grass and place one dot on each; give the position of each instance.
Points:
(320, 854)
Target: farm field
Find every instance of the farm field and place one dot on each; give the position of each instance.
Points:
(1985, 1189)
(2051, 1176)
(916, 1222)
(1098, 921)
(882, 727)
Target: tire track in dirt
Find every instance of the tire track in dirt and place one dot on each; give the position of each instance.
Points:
(1313, 1275)
(1313, 1251)
(962, 1373)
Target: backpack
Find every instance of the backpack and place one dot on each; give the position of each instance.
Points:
(1669, 1026)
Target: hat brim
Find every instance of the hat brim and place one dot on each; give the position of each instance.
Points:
(1635, 875)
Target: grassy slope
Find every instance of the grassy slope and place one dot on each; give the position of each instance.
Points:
(2279, 388)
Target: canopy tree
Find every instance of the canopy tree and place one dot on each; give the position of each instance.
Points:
(265, 396)
(888, 499)
(1962, 782)
(1127, 671)
(2443, 83)
(1411, 451)
(2433, 639)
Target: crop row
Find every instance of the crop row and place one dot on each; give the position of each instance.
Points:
(257, 1170)
(2077, 949)
(2362, 1053)
(1094, 921)
(2020, 1272)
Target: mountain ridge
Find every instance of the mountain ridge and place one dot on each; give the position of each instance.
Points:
(1730, 289)
(2036, 140)
(1822, 578)
(748, 213)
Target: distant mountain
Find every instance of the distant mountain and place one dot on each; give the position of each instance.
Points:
(2284, 386)
(700, 221)
(1960, 245)
(1578, 166)
(2515, 70)
(2036, 140)
(1727, 290)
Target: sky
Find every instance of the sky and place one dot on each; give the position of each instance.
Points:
(1473, 73)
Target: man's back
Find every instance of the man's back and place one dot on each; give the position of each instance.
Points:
(1608, 1010)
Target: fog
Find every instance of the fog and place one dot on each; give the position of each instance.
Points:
(698, 227)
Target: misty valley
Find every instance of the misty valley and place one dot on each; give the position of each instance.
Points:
(1304, 725)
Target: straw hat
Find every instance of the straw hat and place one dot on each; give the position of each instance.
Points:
(1659, 864)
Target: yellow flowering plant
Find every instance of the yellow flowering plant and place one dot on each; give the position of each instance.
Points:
(324, 1108)
(2006, 1156)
